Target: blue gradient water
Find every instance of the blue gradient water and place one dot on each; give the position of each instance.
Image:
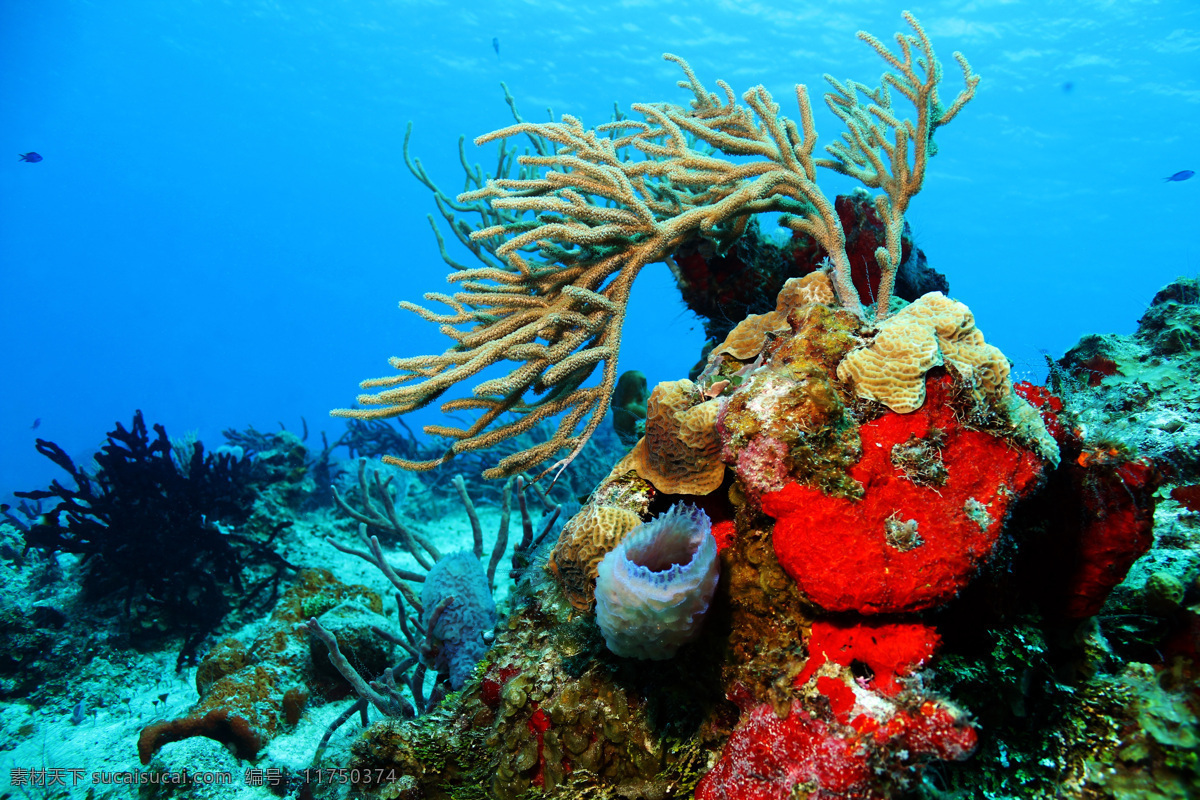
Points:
(223, 223)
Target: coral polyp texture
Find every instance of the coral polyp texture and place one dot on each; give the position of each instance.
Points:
(459, 610)
(747, 339)
(585, 541)
(849, 548)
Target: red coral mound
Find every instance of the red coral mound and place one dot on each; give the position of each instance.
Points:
(768, 758)
(1048, 404)
(538, 724)
(932, 731)
(493, 684)
(889, 649)
(1187, 496)
(906, 545)
(1115, 528)
(1097, 368)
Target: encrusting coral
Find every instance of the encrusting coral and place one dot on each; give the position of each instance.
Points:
(585, 540)
(581, 221)
(747, 339)
(244, 687)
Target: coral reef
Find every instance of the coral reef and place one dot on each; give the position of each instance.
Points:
(250, 690)
(846, 516)
(849, 558)
(892, 586)
(1139, 393)
(912, 548)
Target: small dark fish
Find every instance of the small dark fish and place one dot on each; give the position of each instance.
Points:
(496, 44)
(36, 422)
(1182, 175)
(31, 157)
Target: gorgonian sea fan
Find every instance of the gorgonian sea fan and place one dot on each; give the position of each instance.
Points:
(654, 588)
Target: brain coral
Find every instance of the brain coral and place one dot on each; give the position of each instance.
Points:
(585, 540)
(929, 332)
(681, 451)
(457, 633)
(746, 340)
(654, 588)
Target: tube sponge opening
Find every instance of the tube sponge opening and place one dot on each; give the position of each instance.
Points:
(654, 588)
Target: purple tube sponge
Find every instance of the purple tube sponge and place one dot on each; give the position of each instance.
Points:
(653, 589)
(459, 610)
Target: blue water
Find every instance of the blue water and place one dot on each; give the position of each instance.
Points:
(223, 224)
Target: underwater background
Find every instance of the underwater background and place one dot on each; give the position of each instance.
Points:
(777, 574)
(223, 223)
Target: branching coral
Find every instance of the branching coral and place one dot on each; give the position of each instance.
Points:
(865, 152)
(163, 531)
(455, 608)
(587, 212)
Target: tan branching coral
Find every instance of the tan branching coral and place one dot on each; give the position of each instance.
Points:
(592, 207)
(875, 147)
(585, 540)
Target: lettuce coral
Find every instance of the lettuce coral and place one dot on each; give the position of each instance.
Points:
(653, 590)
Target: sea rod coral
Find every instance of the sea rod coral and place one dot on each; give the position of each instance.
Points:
(578, 224)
